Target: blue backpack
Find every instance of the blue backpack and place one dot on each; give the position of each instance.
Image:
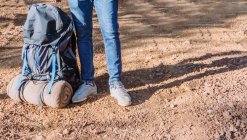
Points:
(49, 50)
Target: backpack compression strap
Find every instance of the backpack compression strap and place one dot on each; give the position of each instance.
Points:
(53, 73)
(24, 69)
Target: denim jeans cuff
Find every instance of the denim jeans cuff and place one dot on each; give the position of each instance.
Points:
(112, 82)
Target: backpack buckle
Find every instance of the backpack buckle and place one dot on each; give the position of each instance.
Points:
(48, 77)
(54, 49)
(29, 76)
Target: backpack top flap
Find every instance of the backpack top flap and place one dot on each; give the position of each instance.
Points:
(45, 25)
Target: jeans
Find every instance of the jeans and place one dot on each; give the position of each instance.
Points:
(107, 12)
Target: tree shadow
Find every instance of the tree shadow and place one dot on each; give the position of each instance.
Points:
(10, 56)
(147, 19)
(187, 70)
(160, 18)
(168, 19)
(10, 48)
(29, 2)
(19, 21)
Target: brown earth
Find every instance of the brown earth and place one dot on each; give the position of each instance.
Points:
(184, 64)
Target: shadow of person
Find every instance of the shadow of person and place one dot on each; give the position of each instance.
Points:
(3, 96)
(184, 71)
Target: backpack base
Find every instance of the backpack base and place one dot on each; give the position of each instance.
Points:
(36, 92)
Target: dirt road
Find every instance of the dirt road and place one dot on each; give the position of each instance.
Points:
(184, 64)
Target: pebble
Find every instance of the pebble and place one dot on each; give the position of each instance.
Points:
(97, 131)
(232, 128)
(238, 123)
(65, 132)
(39, 137)
(146, 61)
(187, 42)
(210, 111)
(162, 124)
(173, 105)
(227, 115)
(230, 134)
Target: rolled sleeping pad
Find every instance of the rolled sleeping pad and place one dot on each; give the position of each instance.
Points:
(36, 92)
(11, 89)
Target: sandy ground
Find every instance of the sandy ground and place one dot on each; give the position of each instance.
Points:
(184, 64)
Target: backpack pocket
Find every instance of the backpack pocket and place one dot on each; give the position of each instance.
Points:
(39, 59)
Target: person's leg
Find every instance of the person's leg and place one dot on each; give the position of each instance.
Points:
(107, 11)
(81, 11)
(82, 16)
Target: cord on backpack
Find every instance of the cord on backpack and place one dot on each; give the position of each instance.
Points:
(53, 73)
(24, 69)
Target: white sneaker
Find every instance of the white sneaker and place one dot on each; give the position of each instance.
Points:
(118, 91)
(85, 90)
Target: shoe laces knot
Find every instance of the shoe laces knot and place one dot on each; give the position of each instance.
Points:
(119, 85)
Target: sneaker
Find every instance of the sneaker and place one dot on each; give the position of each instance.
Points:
(118, 91)
(85, 90)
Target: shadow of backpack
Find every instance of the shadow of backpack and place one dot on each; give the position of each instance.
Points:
(49, 50)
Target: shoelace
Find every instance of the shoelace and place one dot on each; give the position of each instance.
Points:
(119, 85)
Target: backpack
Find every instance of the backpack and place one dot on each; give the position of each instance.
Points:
(49, 50)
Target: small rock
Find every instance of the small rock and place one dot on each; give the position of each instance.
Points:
(31, 129)
(232, 128)
(173, 105)
(238, 123)
(168, 136)
(105, 136)
(162, 124)
(187, 42)
(227, 115)
(230, 135)
(231, 105)
(59, 134)
(217, 135)
(97, 131)
(173, 112)
(210, 111)
(65, 132)
(39, 137)
(47, 124)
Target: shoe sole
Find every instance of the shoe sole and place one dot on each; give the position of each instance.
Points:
(124, 105)
(83, 99)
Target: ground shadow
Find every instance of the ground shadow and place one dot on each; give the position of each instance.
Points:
(3, 96)
(19, 21)
(159, 18)
(162, 18)
(155, 75)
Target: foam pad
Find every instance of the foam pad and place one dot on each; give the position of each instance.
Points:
(12, 92)
(36, 92)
